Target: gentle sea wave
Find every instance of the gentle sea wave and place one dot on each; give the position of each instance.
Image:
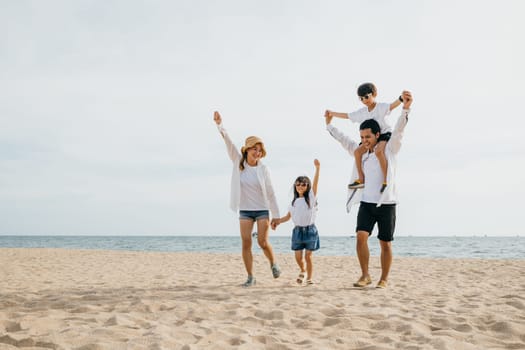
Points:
(417, 246)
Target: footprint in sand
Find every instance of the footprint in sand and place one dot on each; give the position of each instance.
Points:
(90, 347)
(236, 341)
(12, 327)
(502, 327)
(463, 327)
(26, 342)
(272, 315)
(517, 304)
(380, 326)
(331, 322)
(333, 312)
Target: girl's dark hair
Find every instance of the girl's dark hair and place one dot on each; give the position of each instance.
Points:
(306, 180)
(365, 89)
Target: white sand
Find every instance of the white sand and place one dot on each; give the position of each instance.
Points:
(90, 300)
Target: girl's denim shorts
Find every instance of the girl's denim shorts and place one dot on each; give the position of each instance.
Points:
(305, 237)
(254, 214)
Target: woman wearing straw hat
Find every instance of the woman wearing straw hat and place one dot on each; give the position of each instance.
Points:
(253, 196)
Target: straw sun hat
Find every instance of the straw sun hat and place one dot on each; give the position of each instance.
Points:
(250, 142)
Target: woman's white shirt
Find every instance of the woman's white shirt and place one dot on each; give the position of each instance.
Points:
(263, 176)
(252, 197)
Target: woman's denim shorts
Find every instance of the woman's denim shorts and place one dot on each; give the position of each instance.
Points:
(305, 237)
(254, 214)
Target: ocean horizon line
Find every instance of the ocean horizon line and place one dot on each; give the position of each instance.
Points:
(430, 246)
(237, 235)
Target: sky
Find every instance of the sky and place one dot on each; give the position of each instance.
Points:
(106, 110)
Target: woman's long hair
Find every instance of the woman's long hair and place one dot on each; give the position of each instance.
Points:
(243, 159)
(306, 194)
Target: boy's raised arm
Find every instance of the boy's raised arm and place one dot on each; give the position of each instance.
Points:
(395, 104)
(337, 114)
(398, 100)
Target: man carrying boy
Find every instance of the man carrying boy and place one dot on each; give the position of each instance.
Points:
(375, 207)
(378, 111)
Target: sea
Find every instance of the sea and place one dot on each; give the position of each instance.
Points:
(480, 247)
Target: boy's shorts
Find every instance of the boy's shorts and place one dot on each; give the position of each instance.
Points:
(385, 217)
(384, 137)
(305, 237)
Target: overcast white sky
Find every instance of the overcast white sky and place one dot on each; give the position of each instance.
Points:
(106, 110)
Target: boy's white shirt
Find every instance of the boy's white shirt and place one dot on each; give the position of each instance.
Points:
(379, 113)
(392, 148)
(263, 174)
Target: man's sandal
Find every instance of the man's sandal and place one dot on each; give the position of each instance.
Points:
(382, 284)
(363, 282)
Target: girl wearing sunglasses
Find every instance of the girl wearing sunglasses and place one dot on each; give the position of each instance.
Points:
(302, 211)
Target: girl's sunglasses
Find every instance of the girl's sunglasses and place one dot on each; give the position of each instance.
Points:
(302, 184)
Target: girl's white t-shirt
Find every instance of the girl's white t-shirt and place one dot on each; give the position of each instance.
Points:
(252, 197)
(380, 111)
(302, 215)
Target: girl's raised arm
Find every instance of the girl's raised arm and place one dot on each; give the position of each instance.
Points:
(217, 118)
(316, 176)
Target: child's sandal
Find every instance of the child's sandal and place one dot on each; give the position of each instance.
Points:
(309, 282)
(300, 278)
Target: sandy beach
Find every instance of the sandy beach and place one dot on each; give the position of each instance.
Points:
(91, 300)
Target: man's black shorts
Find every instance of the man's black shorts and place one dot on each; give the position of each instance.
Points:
(385, 217)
